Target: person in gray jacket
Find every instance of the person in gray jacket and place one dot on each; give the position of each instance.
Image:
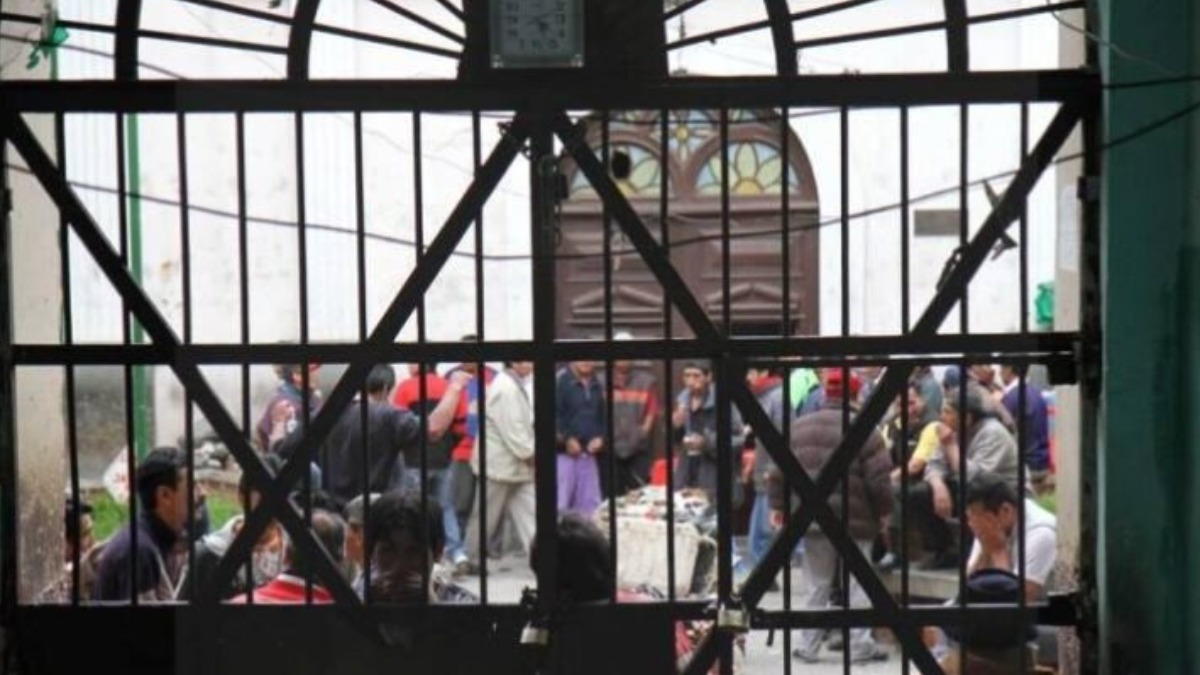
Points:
(814, 439)
(989, 446)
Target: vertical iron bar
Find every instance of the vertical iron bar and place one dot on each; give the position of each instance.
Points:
(544, 233)
(305, 394)
(244, 308)
(610, 465)
(1090, 289)
(965, 327)
(958, 498)
(905, 241)
(844, 167)
(664, 229)
(1023, 225)
(963, 215)
(126, 320)
(786, 330)
(1022, 477)
(905, 480)
(844, 220)
(68, 337)
(8, 440)
(726, 312)
(788, 415)
(785, 213)
(185, 270)
(722, 382)
(360, 248)
(422, 372)
(481, 367)
(906, 325)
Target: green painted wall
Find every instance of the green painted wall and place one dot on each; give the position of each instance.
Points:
(1150, 420)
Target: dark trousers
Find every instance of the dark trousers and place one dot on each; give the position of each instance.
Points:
(936, 534)
(630, 473)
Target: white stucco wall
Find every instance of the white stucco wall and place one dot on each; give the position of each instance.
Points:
(446, 154)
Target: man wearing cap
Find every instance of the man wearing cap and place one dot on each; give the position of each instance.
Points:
(635, 413)
(814, 439)
(695, 423)
(284, 412)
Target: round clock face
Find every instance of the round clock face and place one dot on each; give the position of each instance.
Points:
(536, 33)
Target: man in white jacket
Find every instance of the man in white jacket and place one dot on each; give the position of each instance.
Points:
(509, 444)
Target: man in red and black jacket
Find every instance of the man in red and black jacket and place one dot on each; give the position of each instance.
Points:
(445, 445)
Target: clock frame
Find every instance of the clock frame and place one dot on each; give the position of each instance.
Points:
(536, 33)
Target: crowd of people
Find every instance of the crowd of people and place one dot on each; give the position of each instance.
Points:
(395, 488)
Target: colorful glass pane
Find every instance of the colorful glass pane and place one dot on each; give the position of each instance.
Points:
(755, 168)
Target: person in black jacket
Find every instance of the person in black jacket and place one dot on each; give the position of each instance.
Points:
(128, 567)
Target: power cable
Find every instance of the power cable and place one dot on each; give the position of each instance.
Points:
(836, 220)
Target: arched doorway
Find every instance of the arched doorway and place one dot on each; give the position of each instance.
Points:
(759, 215)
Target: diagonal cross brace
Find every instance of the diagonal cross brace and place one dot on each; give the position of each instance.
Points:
(160, 331)
(894, 378)
(656, 257)
(817, 503)
(402, 307)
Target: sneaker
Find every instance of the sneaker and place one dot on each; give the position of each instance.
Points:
(462, 568)
(833, 640)
(889, 562)
(805, 656)
(874, 654)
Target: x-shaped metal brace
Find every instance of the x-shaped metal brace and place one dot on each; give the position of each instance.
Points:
(814, 494)
(275, 489)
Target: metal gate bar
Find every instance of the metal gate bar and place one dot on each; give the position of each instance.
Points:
(86, 229)
(868, 350)
(858, 91)
(709, 343)
(401, 308)
(813, 494)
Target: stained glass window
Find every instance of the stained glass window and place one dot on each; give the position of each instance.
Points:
(755, 168)
(644, 176)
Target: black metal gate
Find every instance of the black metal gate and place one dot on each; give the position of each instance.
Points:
(352, 636)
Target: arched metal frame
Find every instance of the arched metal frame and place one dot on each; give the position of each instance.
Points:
(538, 121)
(781, 23)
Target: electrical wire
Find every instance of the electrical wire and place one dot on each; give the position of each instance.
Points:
(1111, 46)
(828, 222)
